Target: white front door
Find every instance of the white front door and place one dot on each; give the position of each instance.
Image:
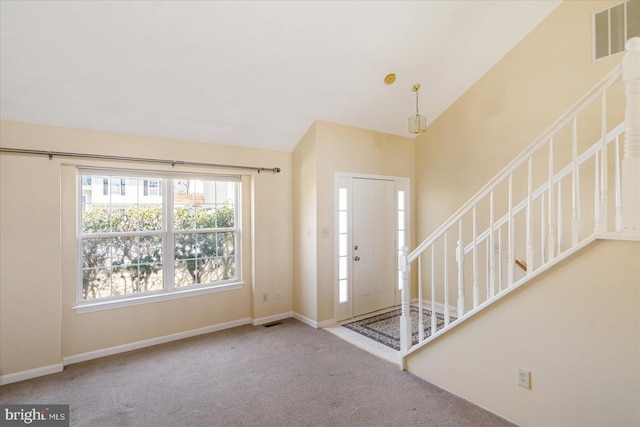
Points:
(373, 245)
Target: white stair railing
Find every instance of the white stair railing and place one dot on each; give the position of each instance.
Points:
(558, 186)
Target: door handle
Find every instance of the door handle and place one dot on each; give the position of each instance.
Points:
(357, 258)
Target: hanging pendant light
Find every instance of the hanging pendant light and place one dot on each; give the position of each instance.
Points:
(417, 123)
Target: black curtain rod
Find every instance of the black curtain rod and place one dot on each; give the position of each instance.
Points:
(51, 154)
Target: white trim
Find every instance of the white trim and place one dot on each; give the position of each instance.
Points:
(618, 236)
(313, 323)
(326, 323)
(305, 320)
(146, 299)
(273, 318)
(31, 373)
(83, 357)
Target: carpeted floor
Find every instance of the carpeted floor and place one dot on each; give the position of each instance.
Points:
(285, 375)
(385, 328)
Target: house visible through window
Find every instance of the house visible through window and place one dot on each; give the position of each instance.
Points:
(138, 241)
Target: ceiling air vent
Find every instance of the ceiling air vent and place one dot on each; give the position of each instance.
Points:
(613, 26)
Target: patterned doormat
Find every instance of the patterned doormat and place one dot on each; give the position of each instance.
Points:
(385, 328)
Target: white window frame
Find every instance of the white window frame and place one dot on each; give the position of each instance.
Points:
(169, 291)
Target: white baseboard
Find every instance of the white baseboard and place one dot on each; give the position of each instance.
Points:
(77, 358)
(305, 320)
(269, 319)
(313, 323)
(326, 323)
(30, 373)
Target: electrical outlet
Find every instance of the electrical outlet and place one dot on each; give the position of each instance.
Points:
(265, 297)
(277, 294)
(325, 232)
(524, 378)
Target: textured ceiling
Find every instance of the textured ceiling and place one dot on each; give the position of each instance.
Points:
(253, 74)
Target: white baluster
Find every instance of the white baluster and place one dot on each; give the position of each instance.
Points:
(618, 188)
(551, 241)
(492, 255)
(460, 261)
(420, 311)
(559, 217)
(446, 282)
(511, 237)
(405, 318)
(543, 231)
(476, 290)
(575, 187)
(596, 198)
(487, 269)
(631, 160)
(603, 224)
(500, 259)
(529, 217)
(434, 320)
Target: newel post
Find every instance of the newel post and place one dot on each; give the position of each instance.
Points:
(405, 318)
(631, 161)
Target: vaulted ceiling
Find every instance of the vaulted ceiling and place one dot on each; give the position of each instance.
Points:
(255, 73)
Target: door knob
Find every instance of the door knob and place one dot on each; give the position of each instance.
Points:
(357, 258)
(355, 248)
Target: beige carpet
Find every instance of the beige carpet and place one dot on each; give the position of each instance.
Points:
(285, 375)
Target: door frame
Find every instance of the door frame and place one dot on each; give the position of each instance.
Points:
(343, 260)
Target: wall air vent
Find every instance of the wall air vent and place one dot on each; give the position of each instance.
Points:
(612, 27)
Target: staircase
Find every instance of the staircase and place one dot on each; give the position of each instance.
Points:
(578, 182)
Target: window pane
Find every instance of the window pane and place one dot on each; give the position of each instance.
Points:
(184, 217)
(150, 217)
(150, 249)
(227, 268)
(185, 246)
(150, 277)
(206, 245)
(124, 280)
(342, 269)
(96, 253)
(225, 216)
(401, 200)
(206, 216)
(400, 239)
(401, 220)
(342, 222)
(96, 283)
(207, 270)
(185, 272)
(342, 199)
(124, 251)
(226, 243)
(96, 218)
(343, 290)
(342, 245)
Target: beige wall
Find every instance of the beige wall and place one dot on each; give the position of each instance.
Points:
(305, 280)
(38, 219)
(500, 115)
(575, 327)
(328, 148)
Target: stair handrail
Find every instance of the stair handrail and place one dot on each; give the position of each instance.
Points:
(606, 82)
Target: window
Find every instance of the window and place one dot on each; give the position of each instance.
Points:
(164, 234)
